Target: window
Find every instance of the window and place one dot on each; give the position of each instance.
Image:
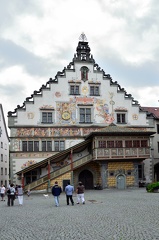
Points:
(5, 158)
(46, 146)
(1, 144)
(74, 90)
(118, 144)
(158, 128)
(140, 171)
(128, 144)
(102, 144)
(47, 117)
(1, 157)
(24, 146)
(136, 143)
(129, 172)
(158, 146)
(85, 115)
(121, 118)
(59, 146)
(30, 146)
(0, 131)
(5, 171)
(110, 144)
(1, 171)
(36, 146)
(94, 90)
(84, 73)
(144, 143)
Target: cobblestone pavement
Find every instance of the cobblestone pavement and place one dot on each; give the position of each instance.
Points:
(108, 214)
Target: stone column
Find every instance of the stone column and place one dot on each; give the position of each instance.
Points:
(103, 170)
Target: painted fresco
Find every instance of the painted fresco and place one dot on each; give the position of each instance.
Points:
(55, 132)
(28, 163)
(66, 112)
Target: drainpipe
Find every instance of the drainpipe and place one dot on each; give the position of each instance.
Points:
(71, 158)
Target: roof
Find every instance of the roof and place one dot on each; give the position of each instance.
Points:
(114, 130)
(153, 110)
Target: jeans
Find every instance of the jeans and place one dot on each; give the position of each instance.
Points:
(11, 200)
(56, 198)
(69, 197)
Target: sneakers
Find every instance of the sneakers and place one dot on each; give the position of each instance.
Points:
(83, 202)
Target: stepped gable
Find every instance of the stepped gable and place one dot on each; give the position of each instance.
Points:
(114, 130)
(83, 54)
(151, 111)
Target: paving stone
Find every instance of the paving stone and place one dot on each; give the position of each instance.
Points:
(131, 214)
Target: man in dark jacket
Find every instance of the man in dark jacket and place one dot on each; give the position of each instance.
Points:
(56, 191)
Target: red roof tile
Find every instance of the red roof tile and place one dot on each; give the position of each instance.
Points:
(153, 110)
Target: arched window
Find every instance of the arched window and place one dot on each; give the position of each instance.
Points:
(84, 73)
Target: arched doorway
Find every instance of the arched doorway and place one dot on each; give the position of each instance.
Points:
(156, 172)
(86, 177)
(120, 181)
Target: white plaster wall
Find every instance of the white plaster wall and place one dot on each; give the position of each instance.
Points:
(49, 98)
(5, 149)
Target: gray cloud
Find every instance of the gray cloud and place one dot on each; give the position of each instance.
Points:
(11, 54)
(9, 10)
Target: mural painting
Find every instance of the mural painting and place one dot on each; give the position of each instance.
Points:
(28, 163)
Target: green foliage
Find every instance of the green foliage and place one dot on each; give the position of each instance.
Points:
(152, 186)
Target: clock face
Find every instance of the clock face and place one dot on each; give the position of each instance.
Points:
(66, 115)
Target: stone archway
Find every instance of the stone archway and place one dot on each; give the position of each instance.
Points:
(86, 177)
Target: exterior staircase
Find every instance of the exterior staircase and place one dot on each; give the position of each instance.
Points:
(58, 172)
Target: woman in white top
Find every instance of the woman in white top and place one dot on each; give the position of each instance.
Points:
(3, 189)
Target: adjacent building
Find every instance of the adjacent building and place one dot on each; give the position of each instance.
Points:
(57, 125)
(153, 118)
(4, 150)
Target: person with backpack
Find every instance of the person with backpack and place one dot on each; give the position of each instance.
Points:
(56, 191)
(11, 195)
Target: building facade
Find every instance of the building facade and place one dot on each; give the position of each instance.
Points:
(81, 99)
(153, 118)
(4, 150)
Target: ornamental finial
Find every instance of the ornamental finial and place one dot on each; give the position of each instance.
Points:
(83, 37)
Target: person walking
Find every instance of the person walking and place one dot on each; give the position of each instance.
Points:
(69, 189)
(11, 195)
(3, 189)
(80, 193)
(20, 195)
(56, 191)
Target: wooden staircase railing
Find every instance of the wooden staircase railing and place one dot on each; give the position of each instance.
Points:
(58, 172)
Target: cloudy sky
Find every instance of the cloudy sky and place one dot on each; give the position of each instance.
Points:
(39, 38)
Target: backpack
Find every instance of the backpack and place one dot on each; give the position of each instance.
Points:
(8, 191)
